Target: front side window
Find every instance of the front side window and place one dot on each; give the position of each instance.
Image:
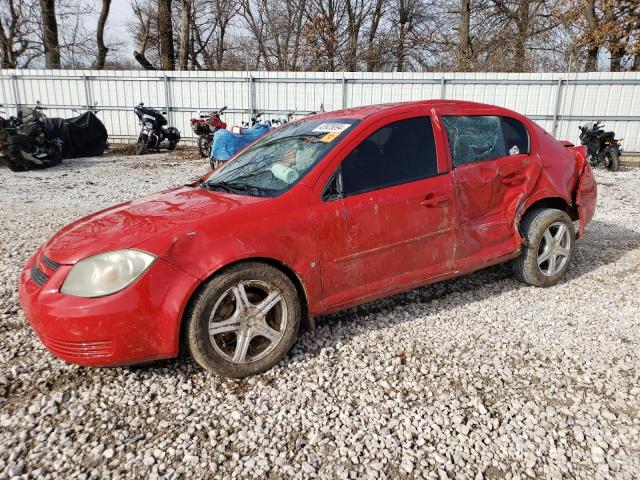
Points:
(481, 137)
(400, 152)
(280, 159)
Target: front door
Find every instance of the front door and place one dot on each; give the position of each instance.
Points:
(388, 221)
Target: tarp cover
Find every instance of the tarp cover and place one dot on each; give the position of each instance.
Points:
(225, 144)
(82, 136)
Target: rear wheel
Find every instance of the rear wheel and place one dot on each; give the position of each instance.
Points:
(549, 244)
(244, 321)
(613, 160)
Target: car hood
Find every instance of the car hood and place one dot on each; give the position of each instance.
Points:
(130, 223)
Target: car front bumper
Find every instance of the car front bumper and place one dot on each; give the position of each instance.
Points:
(138, 324)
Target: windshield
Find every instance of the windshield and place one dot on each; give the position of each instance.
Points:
(280, 159)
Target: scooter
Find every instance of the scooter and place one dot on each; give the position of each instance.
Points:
(205, 126)
(153, 131)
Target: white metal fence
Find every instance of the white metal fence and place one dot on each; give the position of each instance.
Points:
(558, 102)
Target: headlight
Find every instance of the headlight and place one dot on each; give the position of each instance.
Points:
(148, 125)
(106, 273)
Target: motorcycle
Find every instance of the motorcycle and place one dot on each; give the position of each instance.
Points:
(153, 131)
(28, 143)
(603, 149)
(205, 126)
(278, 122)
(8, 128)
(226, 143)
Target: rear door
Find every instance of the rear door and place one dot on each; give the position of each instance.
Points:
(387, 218)
(493, 171)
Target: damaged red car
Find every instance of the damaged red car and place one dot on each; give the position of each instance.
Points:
(320, 215)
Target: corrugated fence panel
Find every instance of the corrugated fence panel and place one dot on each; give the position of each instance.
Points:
(558, 102)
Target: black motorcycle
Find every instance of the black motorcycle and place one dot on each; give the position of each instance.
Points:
(154, 134)
(27, 143)
(603, 149)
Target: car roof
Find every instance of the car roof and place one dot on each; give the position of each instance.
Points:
(368, 110)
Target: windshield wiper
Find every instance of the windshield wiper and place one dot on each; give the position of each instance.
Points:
(233, 187)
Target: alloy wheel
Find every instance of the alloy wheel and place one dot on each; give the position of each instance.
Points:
(248, 321)
(554, 249)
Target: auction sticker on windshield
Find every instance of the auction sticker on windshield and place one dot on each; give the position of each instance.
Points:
(331, 127)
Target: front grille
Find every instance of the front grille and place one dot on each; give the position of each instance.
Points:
(66, 348)
(39, 277)
(50, 263)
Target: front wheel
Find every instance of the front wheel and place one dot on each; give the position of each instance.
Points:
(204, 145)
(549, 244)
(613, 158)
(244, 321)
(141, 145)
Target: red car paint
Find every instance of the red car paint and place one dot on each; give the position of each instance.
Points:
(343, 252)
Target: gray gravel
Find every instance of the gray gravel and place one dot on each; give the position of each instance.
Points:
(478, 377)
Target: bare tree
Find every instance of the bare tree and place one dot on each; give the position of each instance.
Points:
(277, 28)
(18, 42)
(141, 28)
(102, 49)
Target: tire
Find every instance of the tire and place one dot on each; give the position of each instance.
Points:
(204, 146)
(172, 146)
(141, 144)
(614, 160)
(216, 307)
(538, 265)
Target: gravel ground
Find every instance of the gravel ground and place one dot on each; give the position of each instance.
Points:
(478, 377)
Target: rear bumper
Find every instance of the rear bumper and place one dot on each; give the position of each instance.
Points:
(586, 197)
(138, 324)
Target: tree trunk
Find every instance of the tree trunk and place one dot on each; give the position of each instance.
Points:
(464, 42)
(589, 13)
(373, 54)
(102, 49)
(185, 22)
(400, 52)
(165, 35)
(142, 60)
(50, 33)
(616, 59)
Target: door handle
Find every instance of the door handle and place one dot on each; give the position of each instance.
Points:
(514, 179)
(434, 199)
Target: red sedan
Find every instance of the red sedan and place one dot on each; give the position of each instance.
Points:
(320, 215)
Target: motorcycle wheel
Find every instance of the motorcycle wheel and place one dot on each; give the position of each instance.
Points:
(215, 163)
(141, 145)
(204, 145)
(614, 160)
(172, 146)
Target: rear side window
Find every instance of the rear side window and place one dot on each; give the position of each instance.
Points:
(515, 136)
(477, 138)
(400, 152)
